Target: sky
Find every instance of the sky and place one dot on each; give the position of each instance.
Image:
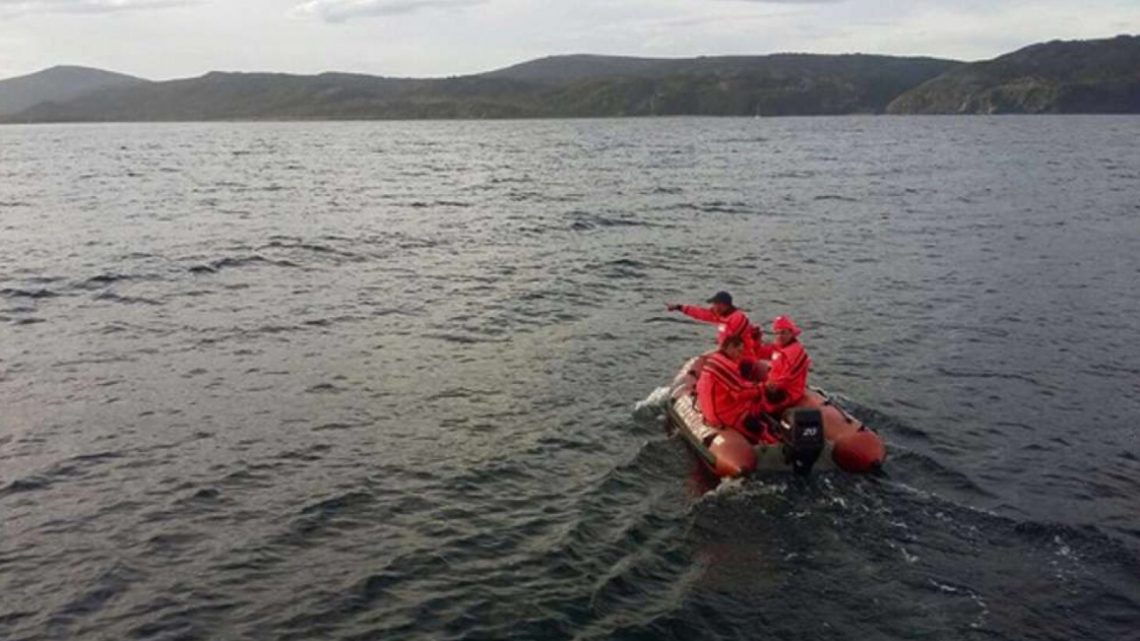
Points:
(162, 39)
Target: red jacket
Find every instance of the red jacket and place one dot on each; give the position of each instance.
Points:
(764, 351)
(735, 324)
(789, 371)
(723, 395)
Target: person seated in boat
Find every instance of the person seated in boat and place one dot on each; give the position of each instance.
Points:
(729, 320)
(786, 382)
(726, 399)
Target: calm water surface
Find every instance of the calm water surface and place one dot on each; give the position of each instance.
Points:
(378, 380)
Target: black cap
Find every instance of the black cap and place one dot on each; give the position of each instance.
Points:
(721, 297)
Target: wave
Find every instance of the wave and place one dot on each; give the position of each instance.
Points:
(34, 294)
(585, 221)
(716, 207)
(106, 279)
(464, 339)
(289, 243)
(446, 204)
(127, 300)
(70, 469)
(237, 262)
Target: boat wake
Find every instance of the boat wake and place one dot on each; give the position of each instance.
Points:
(653, 405)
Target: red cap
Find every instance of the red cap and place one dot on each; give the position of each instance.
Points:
(782, 323)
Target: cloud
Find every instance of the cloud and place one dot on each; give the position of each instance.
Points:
(342, 10)
(16, 7)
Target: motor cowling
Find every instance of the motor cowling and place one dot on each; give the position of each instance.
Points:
(801, 431)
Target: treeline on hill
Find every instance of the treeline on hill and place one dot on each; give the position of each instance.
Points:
(1096, 76)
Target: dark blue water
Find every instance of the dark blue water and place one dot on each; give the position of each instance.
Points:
(377, 381)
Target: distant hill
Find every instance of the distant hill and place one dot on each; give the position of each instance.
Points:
(1093, 76)
(1062, 77)
(263, 96)
(776, 85)
(58, 84)
(568, 86)
(578, 67)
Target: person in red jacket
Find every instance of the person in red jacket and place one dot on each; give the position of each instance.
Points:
(726, 399)
(787, 378)
(729, 320)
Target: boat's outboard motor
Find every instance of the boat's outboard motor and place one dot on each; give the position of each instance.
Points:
(802, 432)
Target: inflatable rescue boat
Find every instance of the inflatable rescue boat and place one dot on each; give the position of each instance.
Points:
(816, 434)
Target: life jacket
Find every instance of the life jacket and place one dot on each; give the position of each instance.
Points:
(789, 372)
(723, 395)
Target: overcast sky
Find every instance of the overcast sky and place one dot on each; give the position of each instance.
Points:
(176, 38)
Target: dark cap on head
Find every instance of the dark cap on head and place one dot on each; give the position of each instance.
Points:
(722, 297)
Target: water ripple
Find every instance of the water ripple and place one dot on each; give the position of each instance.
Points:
(374, 380)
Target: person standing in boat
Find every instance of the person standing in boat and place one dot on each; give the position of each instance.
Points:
(786, 382)
(730, 321)
(726, 399)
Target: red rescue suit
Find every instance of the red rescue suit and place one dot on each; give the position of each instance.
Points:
(788, 373)
(724, 397)
(764, 351)
(736, 323)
